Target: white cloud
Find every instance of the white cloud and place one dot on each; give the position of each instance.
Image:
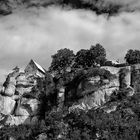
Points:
(39, 33)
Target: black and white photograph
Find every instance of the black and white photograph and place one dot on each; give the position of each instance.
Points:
(69, 69)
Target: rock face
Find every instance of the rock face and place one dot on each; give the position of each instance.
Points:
(7, 105)
(95, 97)
(27, 107)
(17, 120)
(19, 105)
(13, 105)
(10, 88)
(97, 91)
(98, 97)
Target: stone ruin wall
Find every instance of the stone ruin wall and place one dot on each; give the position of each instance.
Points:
(115, 70)
(132, 77)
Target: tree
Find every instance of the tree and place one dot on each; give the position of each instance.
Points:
(83, 59)
(98, 54)
(132, 56)
(94, 56)
(62, 60)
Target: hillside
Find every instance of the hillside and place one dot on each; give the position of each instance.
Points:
(99, 103)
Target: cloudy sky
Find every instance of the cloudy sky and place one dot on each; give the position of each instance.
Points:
(37, 33)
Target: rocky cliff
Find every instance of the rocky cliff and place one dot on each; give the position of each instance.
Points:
(15, 107)
(93, 90)
(98, 90)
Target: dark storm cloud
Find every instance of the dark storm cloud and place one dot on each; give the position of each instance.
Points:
(109, 7)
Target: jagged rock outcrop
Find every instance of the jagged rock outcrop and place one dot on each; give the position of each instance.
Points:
(27, 107)
(20, 105)
(10, 87)
(95, 98)
(7, 105)
(16, 108)
(96, 91)
(24, 83)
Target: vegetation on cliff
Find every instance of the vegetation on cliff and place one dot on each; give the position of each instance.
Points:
(103, 123)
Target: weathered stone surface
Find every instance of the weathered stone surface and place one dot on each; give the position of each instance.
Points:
(95, 100)
(17, 120)
(7, 105)
(9, 85)
(130, 91)
(89, 83)
(109, 91)
(42, 136)
(112, 83)
(94, 80)
(12, 80)
(24, 80)
(10, 90)
(21, 90)
(1, 89)
(125, 77)
(110, 109)
(21, 77)
(99, 97)
(27, 107)
(15, 97)
(105, 81)
(113, 70)
(22, 111)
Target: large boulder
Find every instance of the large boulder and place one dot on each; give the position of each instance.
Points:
(95, 100)
(101, 96)
(27, 107)
(10, 86)
(21, 80)
(10, 90)
(7, 105)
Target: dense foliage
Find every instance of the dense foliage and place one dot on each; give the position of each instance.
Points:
(84, 59)
(132, 56)
(62, 60)
(94, 56)
(122, 124)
